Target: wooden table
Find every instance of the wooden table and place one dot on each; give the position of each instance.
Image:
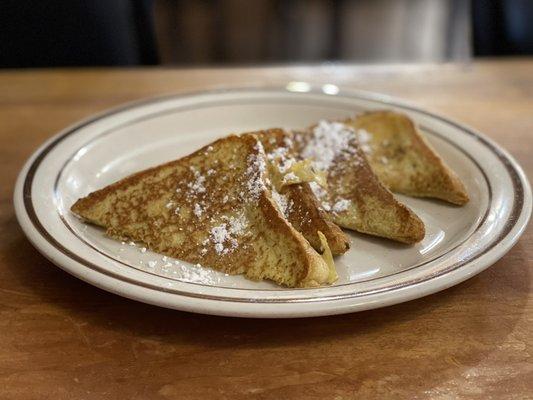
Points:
(62, 338)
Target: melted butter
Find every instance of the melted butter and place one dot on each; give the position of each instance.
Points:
(327, 256)
(298, 172)
(302, 171)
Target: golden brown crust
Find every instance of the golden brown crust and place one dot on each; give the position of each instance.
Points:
(304, 212)
(355, 198)
(309, 218)
(203, 209)
(374, 209)
(403, 159)
(93, 198)
(314, 271)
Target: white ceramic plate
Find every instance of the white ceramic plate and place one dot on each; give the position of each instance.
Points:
(460, 241)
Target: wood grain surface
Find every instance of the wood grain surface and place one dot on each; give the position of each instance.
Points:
(61, 338)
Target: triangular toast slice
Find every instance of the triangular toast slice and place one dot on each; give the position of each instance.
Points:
(354, 197)
(295, 197)
(213, 207)
(403, 159)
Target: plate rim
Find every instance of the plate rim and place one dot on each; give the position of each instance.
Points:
(506, 239)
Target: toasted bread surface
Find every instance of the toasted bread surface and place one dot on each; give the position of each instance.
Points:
(297, 201)
(213, 207)
(403, 159)
(354, 197)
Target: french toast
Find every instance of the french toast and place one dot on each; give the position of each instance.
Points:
(213, 207)
(403, 159)
(354, 197)
(293, 193)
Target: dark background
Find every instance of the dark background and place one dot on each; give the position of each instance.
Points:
(200, 32)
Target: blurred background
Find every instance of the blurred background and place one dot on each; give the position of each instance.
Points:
(235, 32)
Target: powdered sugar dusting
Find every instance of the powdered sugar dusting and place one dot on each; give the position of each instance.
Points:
(177, 270)
(219, 234)
(341, 205)
(197, 186)
(328, 141)
(282, 202)
(224, 236)
(281, 156)
(364, 136)
(277, 153)
(287, 141)
(255, 172)
(193, 273)
(321, 194)
(237, 225)
(318, 190)
(198, 211)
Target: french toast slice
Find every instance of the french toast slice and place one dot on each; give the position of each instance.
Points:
(213, 207)
(403, 159)
(294, 195)
(354, 197)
